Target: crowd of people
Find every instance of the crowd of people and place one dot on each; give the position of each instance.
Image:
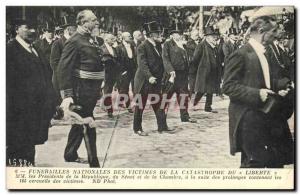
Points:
(68, 69)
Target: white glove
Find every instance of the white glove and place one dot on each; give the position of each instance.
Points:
(173, 74)
(66, 103)
(102, 84)
(152, 80)
(264, 94)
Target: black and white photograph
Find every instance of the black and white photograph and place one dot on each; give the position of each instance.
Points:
(151, 87)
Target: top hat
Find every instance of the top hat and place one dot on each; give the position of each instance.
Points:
(152, 27)
(176, 28)
(165, 32)
(232, 31)
(48, 26)
(209, 30)
(66, 21)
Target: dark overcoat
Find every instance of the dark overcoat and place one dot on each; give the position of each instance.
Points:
(150, 64)
(29, 96)
(190, 48)
(44, 47)
(228, 48)
(243, 79)
(122, 57)
(208, 77)
(56, 51)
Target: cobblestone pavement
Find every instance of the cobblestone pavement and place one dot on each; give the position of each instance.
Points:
(201, 145)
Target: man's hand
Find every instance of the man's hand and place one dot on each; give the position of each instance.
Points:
(152, 80)
(283, 93)
(66, 103)
(173, 74)
(263, 93)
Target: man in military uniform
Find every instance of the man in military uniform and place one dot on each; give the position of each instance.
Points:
(29, 97)
(111, 67)
(80, 75)
(56, 51)
(176, 64)
(148, 78)
(126, 59)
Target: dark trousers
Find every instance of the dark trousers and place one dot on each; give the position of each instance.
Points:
(209, 99)
(258, 146)
(123, 86)
(108, 89)
(192, 80)
(20, 155)
(182, 93)
(159, 112)
(86, 95)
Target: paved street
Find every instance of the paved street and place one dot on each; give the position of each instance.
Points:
(201, 145)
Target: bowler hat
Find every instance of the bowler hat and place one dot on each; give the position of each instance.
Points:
(152, 27)
(209, 30)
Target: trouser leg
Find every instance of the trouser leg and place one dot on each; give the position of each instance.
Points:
(208, 103)
(74, 140)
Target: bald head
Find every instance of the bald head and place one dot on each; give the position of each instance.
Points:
(109, 39)
(126, 36)
(137, 35)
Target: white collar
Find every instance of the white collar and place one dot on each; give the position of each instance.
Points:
(213, 46)
(48, 40)
(82, 30)
(126, 44)
(67, 36)
(258, 47)
(107, 45)
(152, 42)
(22, 42)
(135, 41)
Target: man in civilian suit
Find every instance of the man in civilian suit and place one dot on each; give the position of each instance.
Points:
(111, 67)
(176, 64)
(148, 78)
(56, 51)
(29, 97)
(190, 48)
(263, 138)
(126, 59)
(230, 45)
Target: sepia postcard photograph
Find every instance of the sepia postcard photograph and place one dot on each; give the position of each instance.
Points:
(187, 97)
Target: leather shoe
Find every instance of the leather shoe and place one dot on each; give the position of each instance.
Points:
(79, 160)
(166, 130)
(210, 110)
(130, 110)
(110, 115)
(141, 133)
(191, 120)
